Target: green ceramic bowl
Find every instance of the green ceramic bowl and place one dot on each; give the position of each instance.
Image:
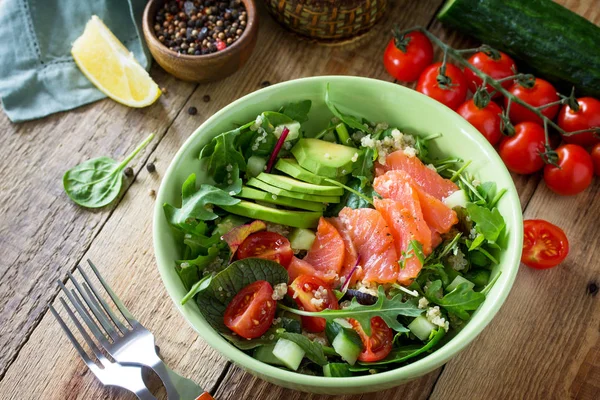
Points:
(377, 101)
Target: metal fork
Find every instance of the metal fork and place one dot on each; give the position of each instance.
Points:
(128, 345)
(111, 374)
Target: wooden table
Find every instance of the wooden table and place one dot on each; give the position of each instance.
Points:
(544, 343)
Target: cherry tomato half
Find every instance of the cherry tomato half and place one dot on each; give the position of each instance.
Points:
(377, 346)
(487, 120)
(588, 116)
(540, 94)
(406, 66)
(574, 172)
(267, 245)
(596, 158)
(250, 313)
(521, 152)
(452, 94)
(545, 245)
(313, 294)
(497, 69)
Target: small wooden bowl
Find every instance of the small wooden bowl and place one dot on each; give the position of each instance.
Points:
(203, 68)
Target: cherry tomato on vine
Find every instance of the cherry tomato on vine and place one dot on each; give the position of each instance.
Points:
(313, 294)
(407, 56)
(521, 152)
(499, 68)
(251, 312)
(540, 94)
(574, 172)
(267, 245)
(487, 119)
(545, 245)
(377, 346)
(588, 116)
(451, 93)
(596, 158)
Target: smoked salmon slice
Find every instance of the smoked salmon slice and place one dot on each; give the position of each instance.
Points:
(350, 254)
(327, 251)
(374, 244)
(427, 179)
(300, 267)
(406, 223)
(392, 184)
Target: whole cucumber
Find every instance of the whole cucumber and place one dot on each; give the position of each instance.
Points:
(554, 42)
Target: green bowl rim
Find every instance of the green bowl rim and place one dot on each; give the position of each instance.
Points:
(401, 374)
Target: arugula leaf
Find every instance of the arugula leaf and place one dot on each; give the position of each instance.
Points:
(313, 350)
(487, 222)
(350, 199)
(349, 120)
(196, 204)
(415, 249)
(387, 309)
(477, 242)
(297, 111)
(462, 299)
(189, 270)
(363, 167)
(218, 291)
(97, 182)
(401, 354)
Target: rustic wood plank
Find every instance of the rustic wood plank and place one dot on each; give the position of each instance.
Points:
(545, 341)
(41, 230)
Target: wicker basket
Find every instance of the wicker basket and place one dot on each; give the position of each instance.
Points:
(327, 20)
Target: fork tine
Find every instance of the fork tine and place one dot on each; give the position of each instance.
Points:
(84, 314)
(69, 334)
(83, 332)
(105, 305)
(100, 316)
(124, 311)
(122, 328)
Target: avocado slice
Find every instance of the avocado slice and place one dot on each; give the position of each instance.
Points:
(292, 168)
(294, 185)
(254, 194)
(294, 195)
(296, 219)
(323, 158)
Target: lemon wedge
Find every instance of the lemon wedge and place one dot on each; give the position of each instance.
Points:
(111, 67)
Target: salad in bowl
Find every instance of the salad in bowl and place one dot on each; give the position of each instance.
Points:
(350, 251)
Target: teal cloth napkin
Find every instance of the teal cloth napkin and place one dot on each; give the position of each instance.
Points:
(38, 76)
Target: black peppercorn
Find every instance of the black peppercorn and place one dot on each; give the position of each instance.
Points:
(192, 110)
(206, 98)
(264, 84)
(128, 172)
(151, 167)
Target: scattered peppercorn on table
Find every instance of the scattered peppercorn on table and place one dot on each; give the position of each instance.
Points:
(544, 343)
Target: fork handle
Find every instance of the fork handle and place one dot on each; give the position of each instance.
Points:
(178, 387)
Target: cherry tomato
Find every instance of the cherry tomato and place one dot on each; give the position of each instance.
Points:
(452, 94)
(377, 346)
(250, 313)
(497, 69)
(596, 158)
(313, 294)
(540, 94)
(521, 152)
(267, 245)
(545, 245)
(574, 172)
(487, 120)
(406, 66)
(588, 116)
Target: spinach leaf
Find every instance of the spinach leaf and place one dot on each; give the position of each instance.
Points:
(196, 204)
(387, 309)
(462, 299)
(363, 167)
(97, 182)
(221, 288)
(404, 353)
(186, 268)
(222, 154)
(349, 120)
(487, 222)
(313, 350)
(297, 111)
